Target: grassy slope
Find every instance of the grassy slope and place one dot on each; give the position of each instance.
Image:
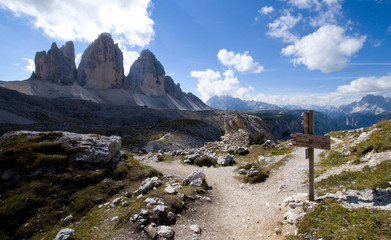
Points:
(33, 207)
(330, 220)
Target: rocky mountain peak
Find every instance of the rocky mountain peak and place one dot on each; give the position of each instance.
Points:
(101, 66)
(57, 65)
(147, 75)
(68, 50)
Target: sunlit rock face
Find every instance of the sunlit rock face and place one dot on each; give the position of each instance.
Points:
(101, 66)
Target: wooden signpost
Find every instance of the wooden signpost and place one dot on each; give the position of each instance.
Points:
(311, 141)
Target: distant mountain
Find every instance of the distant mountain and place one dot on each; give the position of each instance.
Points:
(100, 78)
(231, 103)
(369, 104)
(284, 122)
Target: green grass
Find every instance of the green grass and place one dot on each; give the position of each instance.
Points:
(330, 220)
(56, 188)
(375, 177)
(378, 141)
(332, 159)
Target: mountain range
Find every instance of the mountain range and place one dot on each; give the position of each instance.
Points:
(369, 104)
(100, 78)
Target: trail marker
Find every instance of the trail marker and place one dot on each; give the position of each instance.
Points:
(311, 141)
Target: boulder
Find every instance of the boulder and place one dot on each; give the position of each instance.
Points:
(165, 232)
(147, 75)
(197, 178)
(64, 234)
(243, 130)
(147, 185)
(101, 65)
(226, 160)
(195, 228)
(57, 65)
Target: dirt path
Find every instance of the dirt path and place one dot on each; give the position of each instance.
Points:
(240, 211)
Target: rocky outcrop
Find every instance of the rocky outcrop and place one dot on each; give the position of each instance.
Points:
(100, 78)
(172, 88)
(101, 66)
(245, 129)
(147, 75)
(57, 65)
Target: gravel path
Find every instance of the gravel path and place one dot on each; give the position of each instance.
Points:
(240, 211)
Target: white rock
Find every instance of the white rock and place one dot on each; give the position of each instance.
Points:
(195, 229)
(64, 234)
(166, 232)
(170, 190)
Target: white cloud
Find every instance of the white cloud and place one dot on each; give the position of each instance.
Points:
(78, 59)
(328, 49)
(211, 83)
(389, 29)
(377, 43)
(280, 28)
(304, 4)
(84, 20)
(367, 85)
(241, 62)
(30, 67)
(129, 56)
(266, 10)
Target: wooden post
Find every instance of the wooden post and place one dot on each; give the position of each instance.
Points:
(311, 129)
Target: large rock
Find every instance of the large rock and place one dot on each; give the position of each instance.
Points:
(245, 129)
(66, 233)
(81, 148)
(57, 65)
(101, 65)
(148, 184)
(172, 88)
(147, 75)
(197, 178)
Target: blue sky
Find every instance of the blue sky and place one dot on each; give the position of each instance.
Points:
(298, 52)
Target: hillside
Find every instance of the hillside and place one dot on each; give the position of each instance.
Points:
(55, 182)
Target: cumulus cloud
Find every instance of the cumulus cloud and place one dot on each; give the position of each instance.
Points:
(241, 62)
(129, 56)
(30, 67)
(367, 85)
(304, 4)
(280, 28)
(328, 49)
(211, 83)
(266, 10)
(84, 20)
(78, 59)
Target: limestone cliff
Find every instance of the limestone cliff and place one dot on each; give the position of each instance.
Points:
(147, 75)
(57, 65)
(101, 66)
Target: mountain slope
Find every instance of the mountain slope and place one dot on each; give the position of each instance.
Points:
(100, 78)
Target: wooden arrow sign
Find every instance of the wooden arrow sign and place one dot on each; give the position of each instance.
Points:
(311, 141)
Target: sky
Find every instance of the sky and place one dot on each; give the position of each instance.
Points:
(284, 52)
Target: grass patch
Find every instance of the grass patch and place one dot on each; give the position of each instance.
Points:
(332, 159)
(375, 177)
(330, 220)
(204, 161)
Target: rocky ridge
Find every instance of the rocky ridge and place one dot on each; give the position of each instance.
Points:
(57, 65)
(100, 78)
